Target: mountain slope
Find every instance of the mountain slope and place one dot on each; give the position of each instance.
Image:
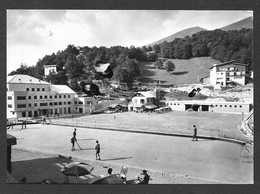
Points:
(180, 34)
(187, 71)
(245, 23)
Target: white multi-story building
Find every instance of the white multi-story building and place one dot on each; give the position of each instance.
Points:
(30, 97)
(50, 69)
(227, 73)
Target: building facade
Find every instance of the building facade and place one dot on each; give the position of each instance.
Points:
(30, 97)
(224, 74)
(143, 100)
(209, 106)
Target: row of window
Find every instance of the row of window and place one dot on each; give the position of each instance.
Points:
(35, 89)
(40, 104)
(78, 102)
(235, 106)
(172, 103)
(40, 97)
(55, 111)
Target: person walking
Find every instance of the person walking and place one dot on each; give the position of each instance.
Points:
(195, 133)
(97, 148)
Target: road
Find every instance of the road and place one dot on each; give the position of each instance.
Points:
(206, 159)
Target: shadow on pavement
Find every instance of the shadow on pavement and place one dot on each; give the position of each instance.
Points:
(85, 139)
(117, 158)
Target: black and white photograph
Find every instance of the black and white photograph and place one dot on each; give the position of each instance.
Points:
(130, 97)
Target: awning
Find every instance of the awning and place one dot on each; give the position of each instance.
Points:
(11, 140)
(150, 106)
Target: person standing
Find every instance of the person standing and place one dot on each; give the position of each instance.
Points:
(97, 148)
(24, 124)
(44, 120)
(195, 133)
(74, 133)
(73, 139)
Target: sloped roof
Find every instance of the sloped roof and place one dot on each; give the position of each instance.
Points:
(147, 94)
(25, 79)
(61, 89)
(228, 63)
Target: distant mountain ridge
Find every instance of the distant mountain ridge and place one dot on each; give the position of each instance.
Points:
(244, 23)
(180, 34)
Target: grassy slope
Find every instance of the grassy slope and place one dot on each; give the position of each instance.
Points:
(186, 71)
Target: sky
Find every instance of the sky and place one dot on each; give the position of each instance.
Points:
(32, 34)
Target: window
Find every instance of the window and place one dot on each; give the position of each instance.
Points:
(27, 89)
(21, 97)
(142, 101)
(68, 96)
(55, 96)
(35, 105)
(29, 105)
(45, 96)
(235, 106)
(80, 102)
(9, 97)
(21, 105)
(240, 106)
(43, 104)
(76, 102)
(43, 89)
(35, 97)
(64, 103)
(29, 97)
(33, 89)
(174, 103)
(59, 96)
(38, 89)
(10, 106)
(178, 104)
(216, 105)
(50, 96)
(55, 103)
(225, 105)
(50, 103)
(64, 96)
(40, 97)
(60, 103)
(230, 106)
(220, 105)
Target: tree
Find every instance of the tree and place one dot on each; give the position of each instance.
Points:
(169, 66)
(158, 64)
(57, 78)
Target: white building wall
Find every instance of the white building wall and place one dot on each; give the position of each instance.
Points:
(48, 69)
(213, 76)
(37, 99)
(222, 107)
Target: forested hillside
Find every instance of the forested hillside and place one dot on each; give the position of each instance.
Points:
(125, 62)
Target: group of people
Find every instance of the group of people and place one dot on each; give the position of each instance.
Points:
(143, 178)
(74, 140)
